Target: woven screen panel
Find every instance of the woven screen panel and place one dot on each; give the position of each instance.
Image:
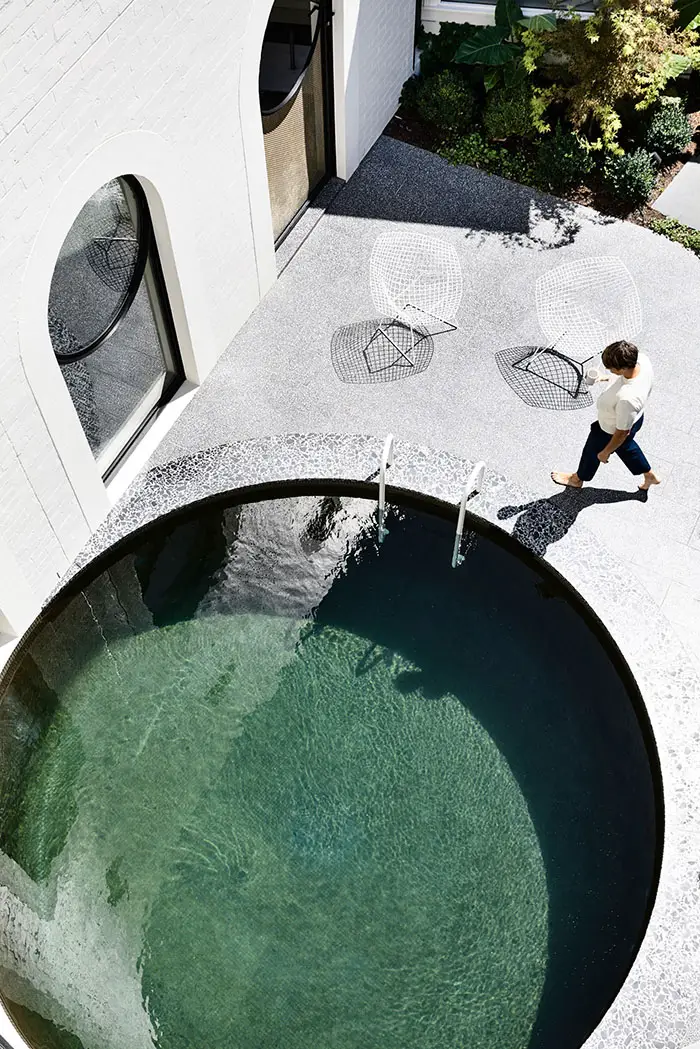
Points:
(295, 147)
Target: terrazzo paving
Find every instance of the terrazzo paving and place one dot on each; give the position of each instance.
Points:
(278, 376)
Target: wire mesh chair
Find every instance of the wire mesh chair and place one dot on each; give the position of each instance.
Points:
(113, 255)
(413, 279)
(582, 307)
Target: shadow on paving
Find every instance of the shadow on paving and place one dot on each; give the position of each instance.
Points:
(546, 521)
(548, 382)
(382, 349)
(401, 183)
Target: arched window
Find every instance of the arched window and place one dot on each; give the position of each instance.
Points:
(109, 320)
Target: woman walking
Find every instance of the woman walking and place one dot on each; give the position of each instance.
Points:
(620, 417)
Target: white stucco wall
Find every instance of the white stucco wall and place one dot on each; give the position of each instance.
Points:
(165, 90)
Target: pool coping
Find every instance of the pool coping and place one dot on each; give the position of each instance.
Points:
(656, 1005)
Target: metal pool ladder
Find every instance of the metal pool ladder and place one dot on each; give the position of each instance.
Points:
(387, 460)
(472, 487)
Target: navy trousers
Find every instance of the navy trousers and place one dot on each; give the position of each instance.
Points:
(629, 451)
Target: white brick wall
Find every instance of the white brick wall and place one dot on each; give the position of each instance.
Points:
(385, 46)
(74, 75)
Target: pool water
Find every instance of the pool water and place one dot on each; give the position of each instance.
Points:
(268, 786)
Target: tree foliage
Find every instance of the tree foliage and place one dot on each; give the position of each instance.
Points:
(688, 13)
(625, 53)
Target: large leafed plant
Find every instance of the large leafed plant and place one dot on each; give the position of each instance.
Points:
(497, 51)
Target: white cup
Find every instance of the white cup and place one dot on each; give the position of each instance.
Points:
(592, 376)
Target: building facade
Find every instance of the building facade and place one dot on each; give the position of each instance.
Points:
(134, 172)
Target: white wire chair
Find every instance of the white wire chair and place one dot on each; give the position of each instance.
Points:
(413, 279)
(582, 307)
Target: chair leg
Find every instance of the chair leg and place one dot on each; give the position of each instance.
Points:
(532, 355)
(380, 330)
(448, 325)
(396, 346)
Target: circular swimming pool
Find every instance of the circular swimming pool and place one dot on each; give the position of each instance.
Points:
(266, 784)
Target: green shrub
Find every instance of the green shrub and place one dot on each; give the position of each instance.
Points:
(470, 149)
(562, 162)
(437, 50)
(669, 131)
(516, 167)
(508, 111)
(675, 230)
(478, 153)
(630, 177)
(447, 101)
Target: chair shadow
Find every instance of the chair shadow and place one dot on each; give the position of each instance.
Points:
(548, 384)
(546, 521)
(359, 356)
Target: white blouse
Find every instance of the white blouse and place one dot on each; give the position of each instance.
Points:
(622, 403)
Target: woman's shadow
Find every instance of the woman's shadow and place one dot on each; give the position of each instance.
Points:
(545, 521)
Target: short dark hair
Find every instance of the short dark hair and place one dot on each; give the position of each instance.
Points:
(620, 355)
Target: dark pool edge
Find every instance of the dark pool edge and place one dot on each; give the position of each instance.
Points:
(409, 498)
(427, 474)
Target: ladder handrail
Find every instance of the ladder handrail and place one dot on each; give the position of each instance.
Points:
(387, 460)
(472, 487)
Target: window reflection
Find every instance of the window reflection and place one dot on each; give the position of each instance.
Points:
(109, 321)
